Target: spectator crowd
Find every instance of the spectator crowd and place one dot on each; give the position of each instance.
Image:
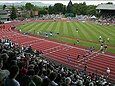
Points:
(23, 66)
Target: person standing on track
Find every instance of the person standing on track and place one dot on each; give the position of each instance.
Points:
(76, 29)
(107, 39)
(105, 48)
(101, 48)
(77, 41)
(68, 58)
(108, 72)
(78, 56)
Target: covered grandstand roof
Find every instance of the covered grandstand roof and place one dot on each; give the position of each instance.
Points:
(106, 7)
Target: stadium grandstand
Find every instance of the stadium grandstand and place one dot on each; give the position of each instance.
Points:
(107, 12)
(4, 16)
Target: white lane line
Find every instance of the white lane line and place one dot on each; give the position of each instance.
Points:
(52, 48)
(57, 50)
(29, 42)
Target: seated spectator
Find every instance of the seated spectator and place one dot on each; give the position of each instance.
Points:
(31, 73)
(10, 80)
(5, 57)
(80, 83)
(37, 80)
(3, 73)
(46, 82)
(52, 77)
(68, 81)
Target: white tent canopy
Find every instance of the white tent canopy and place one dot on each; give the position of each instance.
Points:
(93, 17)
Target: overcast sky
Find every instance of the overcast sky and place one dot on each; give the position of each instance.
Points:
(65, 2)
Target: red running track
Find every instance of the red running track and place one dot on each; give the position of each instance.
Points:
(59, 52)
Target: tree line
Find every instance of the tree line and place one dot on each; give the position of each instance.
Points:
(79, 9)
(76, 8)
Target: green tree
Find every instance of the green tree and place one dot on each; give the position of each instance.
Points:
(22, 7)
(13, 13)
(70, 7)
(43, 10)
(51, 9)
(91, 10)
(29, 6)
(35, 8)
(64, 9)
(4, 6)
(58, 8)
(31, 14)
(83, 9)
(76, 8)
